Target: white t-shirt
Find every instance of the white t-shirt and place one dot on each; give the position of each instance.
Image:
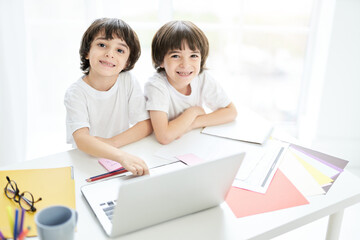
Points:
(162, 96)
(105, 113)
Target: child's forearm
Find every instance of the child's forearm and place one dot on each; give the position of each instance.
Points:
(167, 132)
(133, 134)
(95, 147)
(220, 116)
(92, 146)
(179, 126)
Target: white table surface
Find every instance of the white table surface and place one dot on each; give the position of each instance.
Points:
(215, 223)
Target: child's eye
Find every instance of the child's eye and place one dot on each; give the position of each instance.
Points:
(194, 55)
(101, 45)
(120, 51)
(174, 56)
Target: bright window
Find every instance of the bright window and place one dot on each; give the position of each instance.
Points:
(257, 52)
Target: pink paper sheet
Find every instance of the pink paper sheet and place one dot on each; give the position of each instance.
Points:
(280, 194)
(190, 159)
(109, 164)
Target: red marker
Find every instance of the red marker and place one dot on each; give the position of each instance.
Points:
(24, 233)
(105, 175)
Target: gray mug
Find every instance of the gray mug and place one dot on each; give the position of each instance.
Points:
(56, 222)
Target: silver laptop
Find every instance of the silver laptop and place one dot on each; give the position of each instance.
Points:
(123, 206)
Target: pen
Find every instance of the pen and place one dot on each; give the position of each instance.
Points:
(16, 223)
(24, 233)
(10, 217)
(117, 170)
(20, 229)
(112, 173)
(272, 167)
(105, 175)
(2, 236)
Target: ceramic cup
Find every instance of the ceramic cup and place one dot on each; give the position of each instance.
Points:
(56, 223)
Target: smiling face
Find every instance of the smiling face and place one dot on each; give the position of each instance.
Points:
(107, 57)
(181, 67)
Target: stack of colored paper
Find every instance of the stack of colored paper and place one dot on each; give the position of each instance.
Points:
(323, 168)
(302, 173)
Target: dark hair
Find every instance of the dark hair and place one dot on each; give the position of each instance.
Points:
(111, 27)
(172, 36)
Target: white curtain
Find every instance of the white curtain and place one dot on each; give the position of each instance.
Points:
(13, 87)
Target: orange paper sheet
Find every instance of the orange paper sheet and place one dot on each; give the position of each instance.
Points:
(280, 194)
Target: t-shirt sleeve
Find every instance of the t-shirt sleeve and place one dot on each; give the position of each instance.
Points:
(137, 111)
(157, 96)
(214, 95)
(76, 113)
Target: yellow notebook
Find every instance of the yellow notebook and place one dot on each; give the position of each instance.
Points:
(56, 186)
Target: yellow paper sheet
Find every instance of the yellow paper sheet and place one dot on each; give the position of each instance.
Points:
(321, 178)
(299, 176)
(56, 186)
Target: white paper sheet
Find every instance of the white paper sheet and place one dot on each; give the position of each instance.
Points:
(248, 127)
(167, 168)
(260, 177)
(188, 143)
(259, 165)
(209, 147)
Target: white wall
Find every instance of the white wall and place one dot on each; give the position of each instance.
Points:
(338, 126)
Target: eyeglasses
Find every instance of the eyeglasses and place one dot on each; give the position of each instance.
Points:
(25, 199)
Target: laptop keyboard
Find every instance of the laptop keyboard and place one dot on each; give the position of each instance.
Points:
(108, 208)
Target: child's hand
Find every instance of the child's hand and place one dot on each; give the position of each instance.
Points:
(134, 164)
(197, 111)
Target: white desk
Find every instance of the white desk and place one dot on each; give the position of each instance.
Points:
(216, 223)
